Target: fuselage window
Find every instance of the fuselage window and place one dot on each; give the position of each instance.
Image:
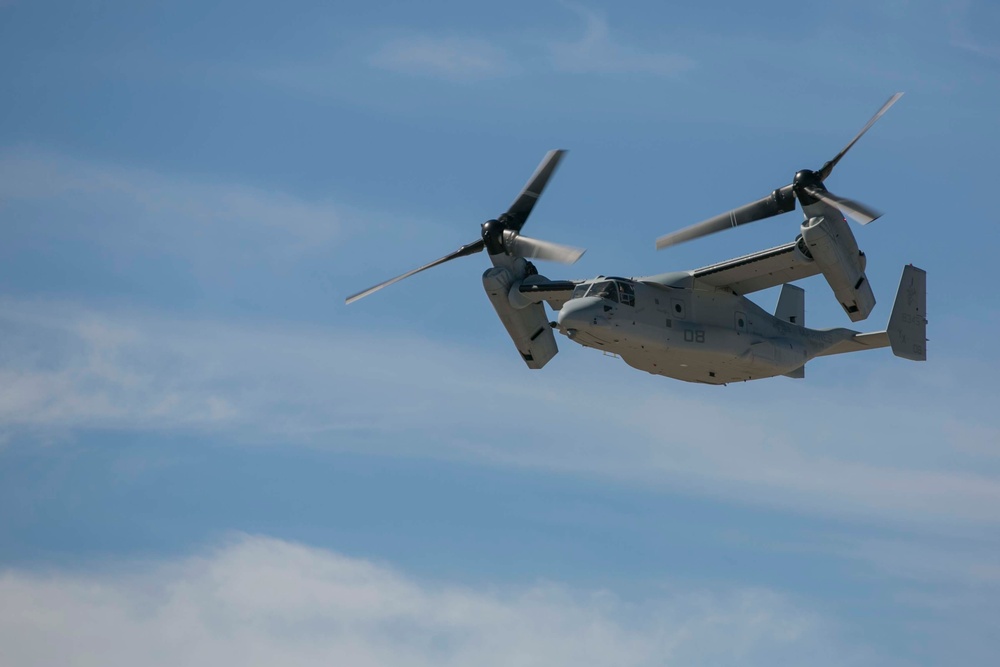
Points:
(626, 294)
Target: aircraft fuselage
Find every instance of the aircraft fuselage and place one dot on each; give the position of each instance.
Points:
(708, 336)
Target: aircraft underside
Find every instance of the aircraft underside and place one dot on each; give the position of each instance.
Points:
(686, 362)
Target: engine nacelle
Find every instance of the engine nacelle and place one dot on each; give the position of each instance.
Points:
(528, 326)
(832, 246)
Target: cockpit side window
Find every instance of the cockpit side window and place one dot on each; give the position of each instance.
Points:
(605, 290)
(580, 290)
(627, 293)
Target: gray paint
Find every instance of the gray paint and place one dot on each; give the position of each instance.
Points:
(718, 337)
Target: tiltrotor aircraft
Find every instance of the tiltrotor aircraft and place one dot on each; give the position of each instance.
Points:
(698, 325)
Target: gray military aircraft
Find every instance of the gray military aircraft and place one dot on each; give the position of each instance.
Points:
(698, 325)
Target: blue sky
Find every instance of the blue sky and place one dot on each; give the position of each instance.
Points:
(205, 456)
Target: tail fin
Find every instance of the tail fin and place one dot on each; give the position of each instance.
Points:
(908, 323)
(906, 333)
(791, 308)
(791, 305)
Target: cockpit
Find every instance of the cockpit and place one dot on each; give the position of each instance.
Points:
(618, 290)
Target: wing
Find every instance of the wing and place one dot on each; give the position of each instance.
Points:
(757, 271)
(554, 292)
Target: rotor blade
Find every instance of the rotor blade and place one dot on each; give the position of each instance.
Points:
(855, 209)
(828, 167)
(530, 248)
(521, 208)
(779, 201)
(470, 249)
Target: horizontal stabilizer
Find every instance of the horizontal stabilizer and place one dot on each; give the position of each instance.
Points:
(858, 342)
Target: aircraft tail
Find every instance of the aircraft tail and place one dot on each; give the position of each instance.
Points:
(791, 305)
(906, 332)
(907, 328)
(791, 308)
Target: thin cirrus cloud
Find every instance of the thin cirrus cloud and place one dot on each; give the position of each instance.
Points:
(147, 209)
(962, 16)
(261, 601)
(596, 51)
(972, 565)
(67, 369)
(452, 58)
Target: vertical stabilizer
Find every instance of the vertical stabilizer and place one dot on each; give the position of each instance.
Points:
(792, 309)
(907, 328)
(791, 305)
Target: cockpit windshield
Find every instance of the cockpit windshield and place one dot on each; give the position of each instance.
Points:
(606, 289)
(617, 290)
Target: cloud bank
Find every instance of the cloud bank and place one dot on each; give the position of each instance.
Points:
(64, 369)
(262, 601)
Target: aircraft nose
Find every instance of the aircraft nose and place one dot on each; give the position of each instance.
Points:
(579, 314)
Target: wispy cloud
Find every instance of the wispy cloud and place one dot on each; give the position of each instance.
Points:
(149, 209)
(974, 564)
(261, 601)
(64, 369)
(960, 21)
(598, 51)
(453, 58)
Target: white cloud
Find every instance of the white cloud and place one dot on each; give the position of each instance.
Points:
(458, 59)
(63, 369)
(261, 601)
(145, 209)
(598, 52)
